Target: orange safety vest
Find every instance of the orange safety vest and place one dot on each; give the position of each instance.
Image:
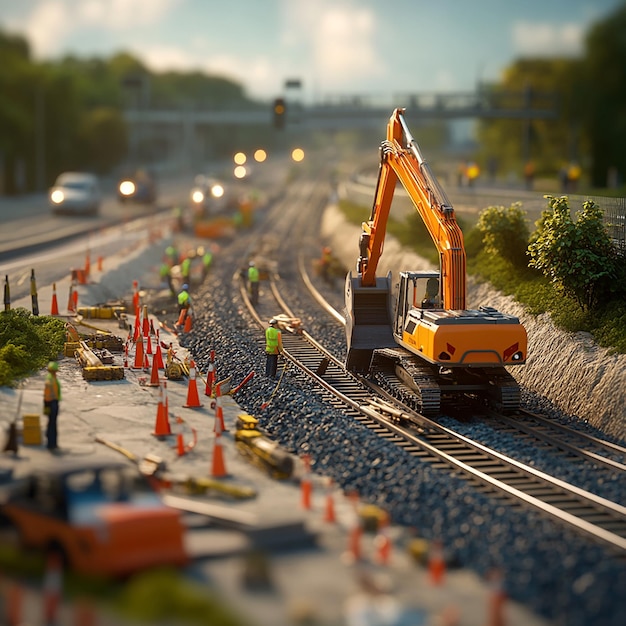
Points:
(52, 390)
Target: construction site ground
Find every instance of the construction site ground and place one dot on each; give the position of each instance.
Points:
(292, 567)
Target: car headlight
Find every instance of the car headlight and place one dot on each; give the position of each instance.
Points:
(57, 196)
(127, 187)
(217, 191)
(197, 196)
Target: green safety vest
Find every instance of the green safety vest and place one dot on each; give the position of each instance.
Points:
(271, 340)
(185, 266)
(207, 258)
(253, 274)
(183, 298)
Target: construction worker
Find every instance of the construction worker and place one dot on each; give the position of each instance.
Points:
(185, 268)
(431, 297)
(273, 347)
(172, 255)
(184, 303)
(165, 274)
(207, 258)
(51, 399)
(325, 263)
(253, 280)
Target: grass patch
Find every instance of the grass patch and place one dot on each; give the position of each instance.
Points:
(27, 343)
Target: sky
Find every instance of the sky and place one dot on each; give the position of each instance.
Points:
(334, 47)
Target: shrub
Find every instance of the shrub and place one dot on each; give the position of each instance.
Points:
(505, 233)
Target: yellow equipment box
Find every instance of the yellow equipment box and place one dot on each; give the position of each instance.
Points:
(31, 430)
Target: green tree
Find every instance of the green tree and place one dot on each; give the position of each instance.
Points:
(505, 232)
(104, 137)
(549, 143)
(576, 255)
(605, 97)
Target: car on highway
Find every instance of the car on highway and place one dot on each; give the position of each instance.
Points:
(139, 187)
(210, 196)
(101, 516)
(76, 193)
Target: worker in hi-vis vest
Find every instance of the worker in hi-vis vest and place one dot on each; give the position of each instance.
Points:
(51, 399)
(253, 280)
(273, 347)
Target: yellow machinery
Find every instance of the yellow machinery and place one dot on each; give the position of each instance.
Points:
(423, 331)
(260, 450)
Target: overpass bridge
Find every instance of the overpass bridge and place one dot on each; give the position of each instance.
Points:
(181, 130)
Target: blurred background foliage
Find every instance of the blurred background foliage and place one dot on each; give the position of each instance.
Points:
(76, 106)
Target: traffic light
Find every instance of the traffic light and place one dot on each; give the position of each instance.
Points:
(280, 110)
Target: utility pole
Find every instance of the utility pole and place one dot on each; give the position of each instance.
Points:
(40, 138)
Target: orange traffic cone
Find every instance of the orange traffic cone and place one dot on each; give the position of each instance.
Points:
(382, 542)
(70, 300)
(148, 345)
(305, 483)
(329, 508)
(436, 563)
(193, 400)
(135, 295)
(497, 599)
(219, 411)
(188, 325)
(75, 300)
(52, 587)
(139, 361)
(99, 263)
(218, 468)
(54, 309)
(87, 266)
(154, 374)
(146, 321)
(353, 553)
(14, 604)
(158, 356)
(210, 379)
(84, 614)
(162, 424)
(137, 329)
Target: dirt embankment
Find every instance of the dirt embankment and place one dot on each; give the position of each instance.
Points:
(570, 370)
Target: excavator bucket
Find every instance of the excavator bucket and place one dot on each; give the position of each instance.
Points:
(368, 320)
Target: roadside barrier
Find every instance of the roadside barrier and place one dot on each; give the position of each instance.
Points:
(193, 400)
(54, 308)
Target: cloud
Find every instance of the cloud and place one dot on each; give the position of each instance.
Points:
(339, 40)
(52, 22)
(540, 39)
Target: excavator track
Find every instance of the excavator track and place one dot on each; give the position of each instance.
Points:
(420, 377)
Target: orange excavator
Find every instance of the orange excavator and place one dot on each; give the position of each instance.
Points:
(422, 331)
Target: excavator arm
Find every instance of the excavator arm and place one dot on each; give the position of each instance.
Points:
(401, 160)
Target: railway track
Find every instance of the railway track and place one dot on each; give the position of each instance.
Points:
(383, 408)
